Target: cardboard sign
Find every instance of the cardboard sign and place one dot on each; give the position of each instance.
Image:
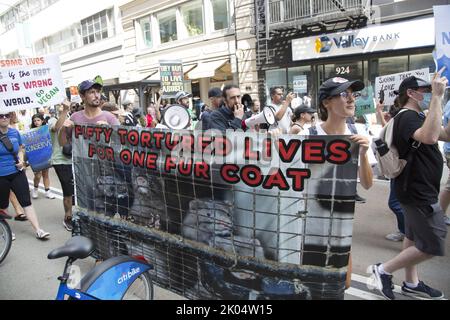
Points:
(390, 83)
(74, 95)
(365, 104)
(27, 83)
(172, 76)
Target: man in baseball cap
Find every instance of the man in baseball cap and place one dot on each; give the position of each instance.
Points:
(412, 83)
(88, 84)
(334, 87)
(182, 98)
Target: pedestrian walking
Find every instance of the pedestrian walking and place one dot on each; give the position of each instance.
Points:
(417, 187)
(12, 174)
(37, 121)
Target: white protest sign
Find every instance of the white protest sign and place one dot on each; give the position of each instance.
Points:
(442, 30)
(27, 83)
(391, 82)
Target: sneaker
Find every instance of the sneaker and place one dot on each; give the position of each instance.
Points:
(49, 194)
(447, 220)
(13, 236)
(67, 223)
(396, 236)
(359, 199)
(34, 193)
(383, 282)
(42, 235)
(422, 290)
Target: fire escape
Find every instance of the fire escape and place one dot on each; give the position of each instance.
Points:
(280, 21)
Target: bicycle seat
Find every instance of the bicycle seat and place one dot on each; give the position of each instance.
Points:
(77, 247)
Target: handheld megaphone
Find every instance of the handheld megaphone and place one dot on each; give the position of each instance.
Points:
(266, 116)
(176, 117)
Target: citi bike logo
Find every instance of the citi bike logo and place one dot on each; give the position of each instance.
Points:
(323, 44)
(126, 276)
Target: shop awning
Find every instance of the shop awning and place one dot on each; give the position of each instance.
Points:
(206, 69)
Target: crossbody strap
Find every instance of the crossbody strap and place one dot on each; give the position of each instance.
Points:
(2, 139)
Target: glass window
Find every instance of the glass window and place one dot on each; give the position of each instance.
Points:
(275, 78)
(167, 26)
(419, 61)
(300, 81)
(145, 32)
(352, 70)
(386, 66)
(192, 14)
(62, 41)
(221, 14)
(97, 27)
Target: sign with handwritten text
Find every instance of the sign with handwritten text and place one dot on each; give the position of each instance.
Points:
(391, 83)
(27, 83)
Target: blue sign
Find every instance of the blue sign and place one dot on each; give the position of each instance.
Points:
(442, 29)
(38, 148)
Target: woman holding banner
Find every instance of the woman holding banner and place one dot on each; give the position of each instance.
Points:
(36, 121)
(12, 176)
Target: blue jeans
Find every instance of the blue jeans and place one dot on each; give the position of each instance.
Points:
(394, 205)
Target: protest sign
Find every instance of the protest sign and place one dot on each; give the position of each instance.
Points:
(38, 148)
(74, 95)
(391, 82)
(172, 77)
(27, 83)
(221, 215)
(442, 31)
(365, 104)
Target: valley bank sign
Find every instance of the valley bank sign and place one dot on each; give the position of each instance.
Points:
(402, 35)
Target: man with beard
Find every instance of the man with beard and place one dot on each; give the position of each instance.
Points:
(230, 115)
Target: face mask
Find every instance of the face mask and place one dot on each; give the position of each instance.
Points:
(425, 102)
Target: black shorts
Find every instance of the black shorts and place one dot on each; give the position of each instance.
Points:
(425, 226)
(65, 176)
(18, 183)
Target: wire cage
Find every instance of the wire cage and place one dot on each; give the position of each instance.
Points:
(213, 239)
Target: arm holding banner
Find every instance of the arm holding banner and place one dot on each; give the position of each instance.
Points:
(62, 117)
(365, 169)
(21, 156)
(380, 114)
(65, 130)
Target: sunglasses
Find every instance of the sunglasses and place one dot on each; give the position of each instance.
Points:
(5, 116)
(346, 94)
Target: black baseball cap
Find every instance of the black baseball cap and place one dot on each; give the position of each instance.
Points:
(412, 83)
(334, 86)
(214, 92)
(303, 109)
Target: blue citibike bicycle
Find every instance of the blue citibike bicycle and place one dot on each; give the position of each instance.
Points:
(117, 278)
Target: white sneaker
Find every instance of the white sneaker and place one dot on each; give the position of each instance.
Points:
(42, 235)
(447, 220)
(34, 193)
(13, 236)
(49, 195)
(396, 236)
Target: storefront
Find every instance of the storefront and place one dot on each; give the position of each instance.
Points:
(356, 54)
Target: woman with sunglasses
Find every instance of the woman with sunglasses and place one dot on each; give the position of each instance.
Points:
(12, 174)
(37, 120)
(336, 105)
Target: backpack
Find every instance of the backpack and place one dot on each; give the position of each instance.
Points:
(389, 163)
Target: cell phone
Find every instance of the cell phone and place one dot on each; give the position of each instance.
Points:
(381, 96)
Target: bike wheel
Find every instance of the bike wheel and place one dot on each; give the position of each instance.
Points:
(140, 289)
(5, 239)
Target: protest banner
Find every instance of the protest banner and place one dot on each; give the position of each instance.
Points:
(391, 82)
(442, 31)
(172, 77)
(38, 148)
(27, 83)
(221, 216)
(365, 104)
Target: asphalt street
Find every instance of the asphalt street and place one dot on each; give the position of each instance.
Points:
(27, 273)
